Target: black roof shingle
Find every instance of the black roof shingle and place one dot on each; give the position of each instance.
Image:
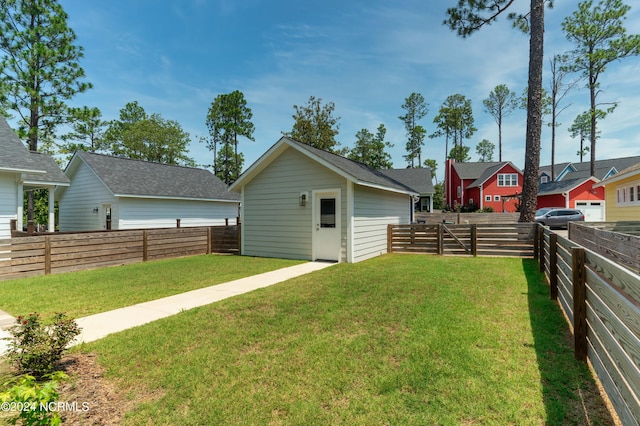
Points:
(128, 177)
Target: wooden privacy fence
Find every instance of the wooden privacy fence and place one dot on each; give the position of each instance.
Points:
(508, 239)
(617, 241)
(466, 218)
(602, 302)
(64, 252)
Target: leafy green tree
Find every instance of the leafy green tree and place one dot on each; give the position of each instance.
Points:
(485, 150)
(39, 69)
(438, 196)
(369, 149)
(315, 125)
(559, 91)
(444, 124)
(416, 108)
(455, 119)
(600, 38)
(433, 166)
(471, 15)
(228, 117)
(129, 115)
(227, 156)
(500, 104)
(87, 130)
(146, 137)
(581, 128)
(460, 153)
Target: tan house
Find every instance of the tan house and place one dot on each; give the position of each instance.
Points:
(622, 195)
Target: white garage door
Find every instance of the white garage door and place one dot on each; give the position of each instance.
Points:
(593, 210)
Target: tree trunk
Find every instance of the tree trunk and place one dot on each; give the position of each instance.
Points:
(534, 114)
(592, 93)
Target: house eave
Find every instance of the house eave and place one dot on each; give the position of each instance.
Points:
(617, 178)
(17, 170)
(169, 197)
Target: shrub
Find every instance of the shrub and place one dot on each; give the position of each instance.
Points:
(34, 402)
(36, 347)
(487, 209)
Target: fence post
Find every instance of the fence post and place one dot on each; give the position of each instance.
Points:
(440, 239)
(177, 223)
(579, 303)
(536, 241)
(145, 254)
(240, 238)
(389, 239)
(541, 247)
(47, 255)
(474, 239)
(209, 239)
(553, 266)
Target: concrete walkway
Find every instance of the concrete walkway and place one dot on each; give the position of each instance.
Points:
(97, 326)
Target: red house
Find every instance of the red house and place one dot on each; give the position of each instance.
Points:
(483, 184)
(576, 193)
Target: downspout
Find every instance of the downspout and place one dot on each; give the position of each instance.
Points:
(481, 197)
(566, 199)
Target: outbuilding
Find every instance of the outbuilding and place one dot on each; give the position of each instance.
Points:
(22, 170)
(300, 202)
(109, 192)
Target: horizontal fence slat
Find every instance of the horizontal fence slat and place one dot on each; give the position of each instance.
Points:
(612, 314)
(25, 256)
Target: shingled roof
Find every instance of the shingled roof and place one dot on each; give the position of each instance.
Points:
(583, 170)
(125, 177)
(358, 172)
(41, 169)
(562, 186)
(14, 156)
(417, 178)
(361, 172)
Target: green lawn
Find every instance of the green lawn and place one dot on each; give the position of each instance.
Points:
(99, 290)
(400, 339)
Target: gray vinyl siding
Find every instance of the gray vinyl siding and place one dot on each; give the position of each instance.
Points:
(373, 210)
(137, 213)
(8, 203)
(78, 201)
(275, 225)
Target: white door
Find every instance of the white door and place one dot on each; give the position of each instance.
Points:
(593, 210)
(326, 236)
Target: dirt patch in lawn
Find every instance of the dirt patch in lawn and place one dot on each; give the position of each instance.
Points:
(93, 399)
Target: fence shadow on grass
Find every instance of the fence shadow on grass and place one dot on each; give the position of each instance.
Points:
(570, 393)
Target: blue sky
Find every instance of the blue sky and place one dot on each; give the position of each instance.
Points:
(366, 56)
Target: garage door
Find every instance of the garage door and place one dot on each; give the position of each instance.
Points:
(593, 210)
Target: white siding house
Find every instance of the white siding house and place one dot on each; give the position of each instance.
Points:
(300, 202)
(121, 193)
(22, 170)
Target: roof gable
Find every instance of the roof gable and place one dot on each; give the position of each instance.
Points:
(481, 172)
(14, 156)
(126, 177)
(357, 172)
(562, 186)
(603, 168)
(629, 172)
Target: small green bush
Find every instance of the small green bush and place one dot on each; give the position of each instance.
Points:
(36, 347)
(34, 402)
(486, 209)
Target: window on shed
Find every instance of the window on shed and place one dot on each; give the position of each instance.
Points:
(327, 212)
(496, 198)
(487, 197)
